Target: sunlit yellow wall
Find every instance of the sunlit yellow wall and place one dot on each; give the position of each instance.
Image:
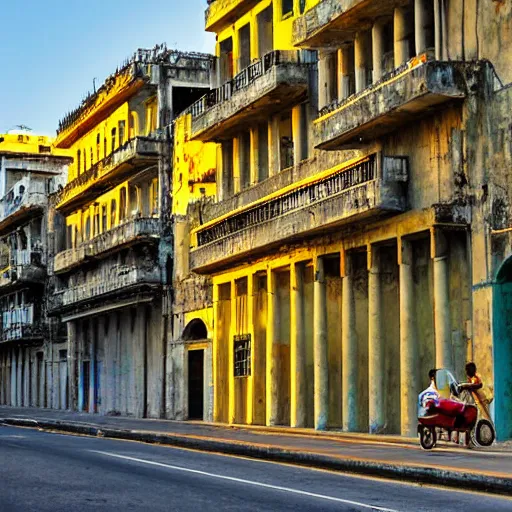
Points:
(28, 143)
(282, 29)
(194, 167)
(138, 120)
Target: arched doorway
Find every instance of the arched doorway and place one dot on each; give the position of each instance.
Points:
(195, 331)
(502, 345)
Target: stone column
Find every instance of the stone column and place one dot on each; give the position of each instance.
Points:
(321, 358)
(274, 155)
(419, 26)
(14, 370)
(298, 134)
(360, 61)
(271, 369)
(376, 352)
(216, 355)
(19, 380)
(378, 49)
(441, 300)
(344, 72)
(408, 342)
(250, 327)
(231, 356)
(297, 348)
(401, 30)
(437, 29)
(349, 349)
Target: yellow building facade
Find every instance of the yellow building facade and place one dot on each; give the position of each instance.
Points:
(341, 247)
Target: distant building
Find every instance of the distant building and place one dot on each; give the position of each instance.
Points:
(30, 169)
(113, 234)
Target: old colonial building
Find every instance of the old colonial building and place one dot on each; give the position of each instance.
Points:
(112, 258)
(362, 225)
(30, 356)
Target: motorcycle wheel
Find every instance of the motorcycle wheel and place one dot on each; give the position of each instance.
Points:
(484, 433)
(428, 438)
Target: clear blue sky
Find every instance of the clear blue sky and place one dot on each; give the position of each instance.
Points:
(51, 51)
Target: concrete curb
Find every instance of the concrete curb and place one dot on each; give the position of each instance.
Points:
(427, 475)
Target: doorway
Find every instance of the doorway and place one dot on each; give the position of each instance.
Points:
(502, 341)
(195, 384)
(63, 378)
(86, 384)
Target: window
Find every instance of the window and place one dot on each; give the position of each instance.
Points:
(226, 60)
(286, 8)
(286, 141)
(113, 139)
(104, 217)
(87, 227)
(78, 162)
(122, 125)
(244, 43)
(98, 146)
(113, 207)
(96, 221)
(122, 205)
(105, 151)
(85, 160)
(242, 347)
(134, 200)
(92, 157)
(244, 158)
(153, 196)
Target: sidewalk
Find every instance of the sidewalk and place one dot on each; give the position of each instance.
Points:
(385, 456)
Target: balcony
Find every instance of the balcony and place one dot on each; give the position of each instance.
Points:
(107, 173)
(358, 191)
(25, 268)
(225, 12)
(404, 96)
(331, 22)
(272, 84)
(130, 232)
(19, 324)
(109, 285)
(25, 199)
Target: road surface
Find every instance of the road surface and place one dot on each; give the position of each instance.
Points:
(42, 471)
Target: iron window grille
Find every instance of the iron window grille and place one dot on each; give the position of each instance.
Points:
(242, 355)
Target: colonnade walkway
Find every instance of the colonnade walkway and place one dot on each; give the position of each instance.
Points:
(376, 455)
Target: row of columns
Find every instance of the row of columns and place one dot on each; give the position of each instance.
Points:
(366, 58)
(409, 355)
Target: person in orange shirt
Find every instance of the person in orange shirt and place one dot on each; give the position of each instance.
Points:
(475, 387)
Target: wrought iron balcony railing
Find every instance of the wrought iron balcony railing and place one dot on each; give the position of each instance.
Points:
(24, 265)
(22, 331)
(370, 187)
(248, 76)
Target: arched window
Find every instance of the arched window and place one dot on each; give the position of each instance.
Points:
(122, 205)
(134, 200)
(98, 147)
(87, 227)
(78, 162)
(113, 207)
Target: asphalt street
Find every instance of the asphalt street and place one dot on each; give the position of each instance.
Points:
(42, 471)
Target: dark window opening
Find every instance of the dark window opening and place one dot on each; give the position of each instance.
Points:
(226, 60)
(245, 160)
(244, 41)
(262, 152)
(183, 97)
(242, 349)
(286, 8)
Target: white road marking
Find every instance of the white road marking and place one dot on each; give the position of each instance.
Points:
(248, 482)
